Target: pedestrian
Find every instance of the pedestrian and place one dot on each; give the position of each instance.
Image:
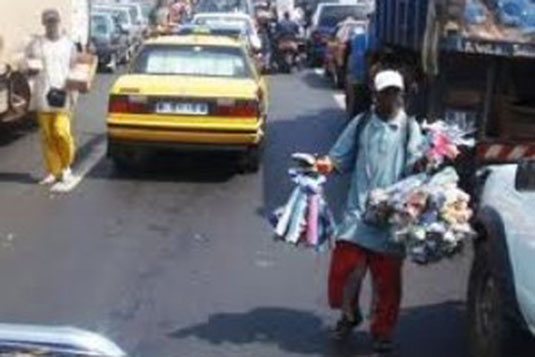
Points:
(54, 102)
(378, 148)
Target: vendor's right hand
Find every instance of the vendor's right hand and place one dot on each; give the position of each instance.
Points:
(324, 165)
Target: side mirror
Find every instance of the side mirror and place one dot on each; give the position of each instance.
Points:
(525, 176)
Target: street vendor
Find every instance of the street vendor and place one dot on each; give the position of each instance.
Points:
(379, 147)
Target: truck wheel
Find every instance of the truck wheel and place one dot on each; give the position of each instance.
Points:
(492, 331)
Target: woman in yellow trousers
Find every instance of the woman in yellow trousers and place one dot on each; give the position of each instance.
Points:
(58, 142)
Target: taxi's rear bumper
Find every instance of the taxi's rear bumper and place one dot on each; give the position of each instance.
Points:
(236, 137)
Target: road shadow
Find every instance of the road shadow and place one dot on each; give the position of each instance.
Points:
(434, 330)
(312, 132)
(170, 166)
(18, 177)
(11, 132)
(291, 331)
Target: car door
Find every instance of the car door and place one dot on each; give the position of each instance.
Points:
(523, 251)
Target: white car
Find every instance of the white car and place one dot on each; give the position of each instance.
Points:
(233, 18)
(501, 292)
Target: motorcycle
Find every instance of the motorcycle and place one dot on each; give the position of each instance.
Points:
(289, 53)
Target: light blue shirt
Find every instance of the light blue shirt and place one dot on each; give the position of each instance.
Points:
(381, 156)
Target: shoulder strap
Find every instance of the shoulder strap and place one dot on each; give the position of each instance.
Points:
(410, 121)
(363, 122)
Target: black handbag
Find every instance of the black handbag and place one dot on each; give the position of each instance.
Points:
(56, 98)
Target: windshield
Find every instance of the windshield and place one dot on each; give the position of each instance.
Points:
(210, 61)
(223, 6)
(122, 15)
(330, 16)
(99, 26)
(132, 11)
(146, 9)
(217, 20)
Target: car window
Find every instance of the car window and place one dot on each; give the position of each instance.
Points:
(121, 16)
(218, 20)
(133, 13)
(210, 61)
(223, 6)
(99, 26)
(332, 15)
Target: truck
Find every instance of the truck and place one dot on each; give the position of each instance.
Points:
(21, 22)
(472, 62)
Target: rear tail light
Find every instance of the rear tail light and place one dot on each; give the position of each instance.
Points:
(237, 108)
(128, 104)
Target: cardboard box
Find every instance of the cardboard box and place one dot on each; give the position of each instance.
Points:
(81, 76)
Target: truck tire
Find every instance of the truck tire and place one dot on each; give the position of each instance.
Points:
(492, 331)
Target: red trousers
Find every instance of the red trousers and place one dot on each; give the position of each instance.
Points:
(349, 264)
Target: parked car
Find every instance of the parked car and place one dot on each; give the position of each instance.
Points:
(111, 45)
(140, 15)
(125, 18)
(242, 20)
(337, 51)
(501, 297)
(324, 23)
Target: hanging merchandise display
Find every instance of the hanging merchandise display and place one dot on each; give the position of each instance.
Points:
(306, 218)
(427, 212)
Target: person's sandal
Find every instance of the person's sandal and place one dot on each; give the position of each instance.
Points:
(344, 327)
(382, 345)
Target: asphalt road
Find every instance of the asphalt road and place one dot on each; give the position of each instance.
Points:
(178, 260)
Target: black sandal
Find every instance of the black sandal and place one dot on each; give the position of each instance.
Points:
(345, 326)
(382, 345)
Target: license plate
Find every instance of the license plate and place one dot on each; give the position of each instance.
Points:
(182, 108)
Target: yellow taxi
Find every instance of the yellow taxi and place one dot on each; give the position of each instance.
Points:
(189, 92)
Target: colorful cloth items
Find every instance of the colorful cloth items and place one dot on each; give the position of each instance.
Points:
(306, 218)
(428, 213)
(444, 139)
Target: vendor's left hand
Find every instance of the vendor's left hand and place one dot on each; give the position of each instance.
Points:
(422, 164)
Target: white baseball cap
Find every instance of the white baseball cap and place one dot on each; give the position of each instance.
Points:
(387, 79)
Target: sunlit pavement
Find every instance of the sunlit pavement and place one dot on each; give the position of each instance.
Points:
(177, 259)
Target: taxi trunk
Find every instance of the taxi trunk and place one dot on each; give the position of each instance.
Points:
(186, 111)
